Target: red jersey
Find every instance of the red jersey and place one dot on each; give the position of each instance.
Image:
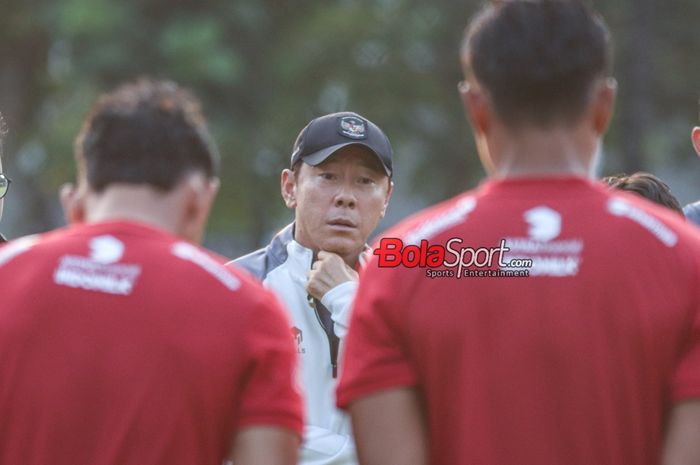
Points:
(576, 364)
(122, 344)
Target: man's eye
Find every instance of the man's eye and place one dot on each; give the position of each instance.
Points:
(364, 180)
(328, 176)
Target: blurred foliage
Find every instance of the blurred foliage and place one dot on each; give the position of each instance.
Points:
(263, 68)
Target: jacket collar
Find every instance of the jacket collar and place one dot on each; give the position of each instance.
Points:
(302, 257)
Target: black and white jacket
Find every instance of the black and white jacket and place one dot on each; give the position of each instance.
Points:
(282, 266)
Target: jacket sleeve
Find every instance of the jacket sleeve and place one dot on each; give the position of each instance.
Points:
(339, 302)
(324, 447)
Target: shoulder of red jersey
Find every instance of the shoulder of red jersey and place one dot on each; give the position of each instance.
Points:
(106, 249)
(230, 276)
(16, 247)
(434, 220)
(12, 249)
(666, 225)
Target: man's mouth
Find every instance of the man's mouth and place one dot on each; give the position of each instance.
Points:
(342, 223)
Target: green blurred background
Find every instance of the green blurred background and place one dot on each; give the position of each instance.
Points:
(263, 68)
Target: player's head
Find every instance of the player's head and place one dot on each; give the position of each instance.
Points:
(339, 183)
(537, 64)
(149, 136)
(147, 132)
(695, 135)
(648, 186)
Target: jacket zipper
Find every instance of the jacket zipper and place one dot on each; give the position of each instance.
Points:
(333, 340)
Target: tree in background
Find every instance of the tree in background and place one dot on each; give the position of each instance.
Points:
(263, 67)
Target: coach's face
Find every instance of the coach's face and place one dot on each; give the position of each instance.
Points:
(339, 202)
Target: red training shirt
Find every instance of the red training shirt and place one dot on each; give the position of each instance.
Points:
(576, 364)
(121, 344)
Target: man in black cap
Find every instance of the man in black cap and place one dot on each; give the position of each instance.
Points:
(339, 184)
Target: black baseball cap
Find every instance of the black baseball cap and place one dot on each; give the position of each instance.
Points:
(327, 134)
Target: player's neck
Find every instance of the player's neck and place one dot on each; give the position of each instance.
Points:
(137, 204)
(552, 152)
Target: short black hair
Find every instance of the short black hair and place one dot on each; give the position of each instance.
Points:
(537, 59)
(145, 132)
(648, 186)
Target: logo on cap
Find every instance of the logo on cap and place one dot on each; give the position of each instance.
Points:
(353, 127)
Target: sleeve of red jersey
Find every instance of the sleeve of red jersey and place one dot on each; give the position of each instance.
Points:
(269, 396)
(686, 379)
(375, 358)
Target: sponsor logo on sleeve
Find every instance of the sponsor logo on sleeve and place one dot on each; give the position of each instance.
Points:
(622, 208)
(193, 254)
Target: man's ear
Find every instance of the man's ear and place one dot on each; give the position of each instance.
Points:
(389, 191)
(476, 106)
(211, 191)
(200, 193)
(288, 188)
(479, 110)
(603, 105)
(73, 203)
(695, 136)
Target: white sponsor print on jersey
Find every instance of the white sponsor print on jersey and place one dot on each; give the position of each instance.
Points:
(106, 249)
(191, 253)
(99, 272)
(620, 207)
(549, 257)
(545, 223)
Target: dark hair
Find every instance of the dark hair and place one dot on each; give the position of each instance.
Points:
(146, 132)
(648, 186)
(537, 59)
(296, 167)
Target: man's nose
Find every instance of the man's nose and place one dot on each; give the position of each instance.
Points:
(345, 196)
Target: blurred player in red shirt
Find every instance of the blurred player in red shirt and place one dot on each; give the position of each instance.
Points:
(584, 356)
(121, 340)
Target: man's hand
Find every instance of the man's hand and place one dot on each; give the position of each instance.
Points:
(327, 272)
